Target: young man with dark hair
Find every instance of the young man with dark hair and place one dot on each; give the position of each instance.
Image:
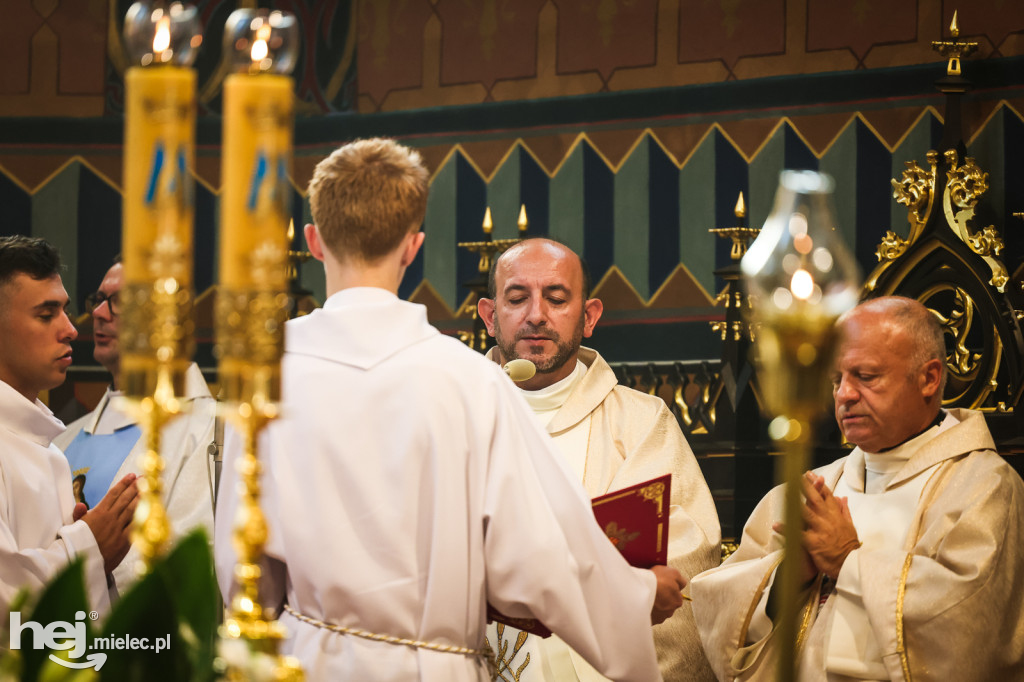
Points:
(41, 527)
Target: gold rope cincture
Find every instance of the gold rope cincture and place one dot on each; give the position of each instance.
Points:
(341, 629)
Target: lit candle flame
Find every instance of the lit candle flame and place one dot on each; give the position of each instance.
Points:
(259, 50)
(162, 39)
(259, 45)
(523, 223)
(488, 224)
(802, 284)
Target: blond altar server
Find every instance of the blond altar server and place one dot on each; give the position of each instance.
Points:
(42, 530)
(913, 544)
(539, 309)
(406, 484)
(106, 444)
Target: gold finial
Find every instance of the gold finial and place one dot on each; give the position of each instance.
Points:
(954, 49)
(741, 235)
(488, 225)
(523, 223)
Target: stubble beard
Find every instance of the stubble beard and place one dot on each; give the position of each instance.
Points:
(563, 350)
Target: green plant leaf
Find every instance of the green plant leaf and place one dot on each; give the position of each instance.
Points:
(189, 570)
(62, 598)
(144, 613)
(176, 602)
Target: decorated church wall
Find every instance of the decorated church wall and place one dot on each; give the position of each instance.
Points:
(626, 129)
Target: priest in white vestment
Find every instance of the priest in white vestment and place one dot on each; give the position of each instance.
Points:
(407, 485)
(539, 309)
(106, 444)
(41, 528)
(913, 543)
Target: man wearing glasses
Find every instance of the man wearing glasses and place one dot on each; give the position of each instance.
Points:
(105, 444)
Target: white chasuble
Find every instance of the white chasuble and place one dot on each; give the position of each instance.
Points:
(933, 594)
(614, 437)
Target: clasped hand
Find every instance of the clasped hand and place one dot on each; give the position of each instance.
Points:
(829, 534)
(110, 521)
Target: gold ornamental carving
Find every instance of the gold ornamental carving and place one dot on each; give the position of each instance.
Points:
(916, 190)
(708, 391)
(157, 324)
(891, 247)
(965, 185)
(961, 361)
(963, 364)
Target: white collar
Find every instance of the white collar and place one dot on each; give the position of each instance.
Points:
(554, 396)
(31, 420)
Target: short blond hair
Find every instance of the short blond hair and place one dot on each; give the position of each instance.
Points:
(367, 196)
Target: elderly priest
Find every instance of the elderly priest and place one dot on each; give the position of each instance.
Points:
(913, 546)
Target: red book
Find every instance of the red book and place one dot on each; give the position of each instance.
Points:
(635, 519)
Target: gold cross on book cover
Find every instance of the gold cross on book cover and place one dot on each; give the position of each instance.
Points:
(635, 519)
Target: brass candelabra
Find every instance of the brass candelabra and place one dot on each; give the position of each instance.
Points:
(488, 248)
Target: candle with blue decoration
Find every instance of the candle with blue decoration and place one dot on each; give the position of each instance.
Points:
(255, 199)
(258, 117)
(155, 334)
(162, 40)
(252, 303)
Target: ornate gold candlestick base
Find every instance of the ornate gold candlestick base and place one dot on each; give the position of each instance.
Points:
(250, 642)
(250, 334)
(156, 344)
(152, 528)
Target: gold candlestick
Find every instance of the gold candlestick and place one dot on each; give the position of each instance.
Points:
(741, 235)
(800, 278)
(488, 249)
(732, 295)
(156, 329)
(252, 303)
